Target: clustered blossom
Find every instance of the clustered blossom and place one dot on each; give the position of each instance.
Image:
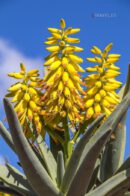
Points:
(26, 97)
(62, 84)
(101, 85)
(59, 96)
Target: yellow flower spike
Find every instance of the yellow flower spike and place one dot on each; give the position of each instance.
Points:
(70, 31)
(33, 106)
(89, 103)
(62, 44)
(102, 93)
(77, 49)
(65, 77)
(61, 101)
(64, 62)
(76, 78)
(92, 60)
(72, 40)
(32, 91)
(91, 69)
(97, 109)
(112, 60)
(98, 84)
(78, 87)
(18, 105)
(54, 30)
(101, 85)
(98, 60)
(56, 109)
(78, 68)
(75, 58)
(71, 117)
(111, 100)
(15, 87)
(60, 87)
(114, 56)
(51, 42)
(111, 87)
(18, 96)
(50, 39)
(33, 84)
(89, 113)
(26, 97)
(67, 92)
(23, 68)
(53, 48)
(30, 114)
(105, 103)
(62, 23)
(56, 35)
(35, 79)
(96, 50)
(92, 91)
(22, 119)
(16, 75)
(108, 47)
(55, 65)
(90, 82)
(68, 49)
(70, 84)
(23, 86)
(62, 77)
(32, 72)
(68, 104)
(113, 67)
(113, 81)
(39, 127)
(50, 60)
(107, 111)
(71, 69)
(111, 74)
(100, 70)
(97, 97)
(53, 95)
(36, 118)
(115, 97)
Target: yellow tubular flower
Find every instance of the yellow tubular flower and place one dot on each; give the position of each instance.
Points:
(101, 85)
(62, 84)
(26, 97)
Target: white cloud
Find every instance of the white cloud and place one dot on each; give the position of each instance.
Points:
(2, 160)
(10, 59)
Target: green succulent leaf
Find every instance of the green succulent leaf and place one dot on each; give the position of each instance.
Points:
(48, 158)
(82, 179)
(125, 165)
(76, 155)
(17, 182)
(115, 148)
(18, 176)
(60, 168)
(35, 172)
(7, 137)
(114, 152)
(114, 185)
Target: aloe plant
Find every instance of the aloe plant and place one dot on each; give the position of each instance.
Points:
(90, 160)
(43, 175)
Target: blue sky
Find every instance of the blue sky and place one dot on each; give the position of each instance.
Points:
(23, 29)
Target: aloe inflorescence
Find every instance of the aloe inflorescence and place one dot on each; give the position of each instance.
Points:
(84, 119)
(62, 84)
(101, 84)
(26, 98)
